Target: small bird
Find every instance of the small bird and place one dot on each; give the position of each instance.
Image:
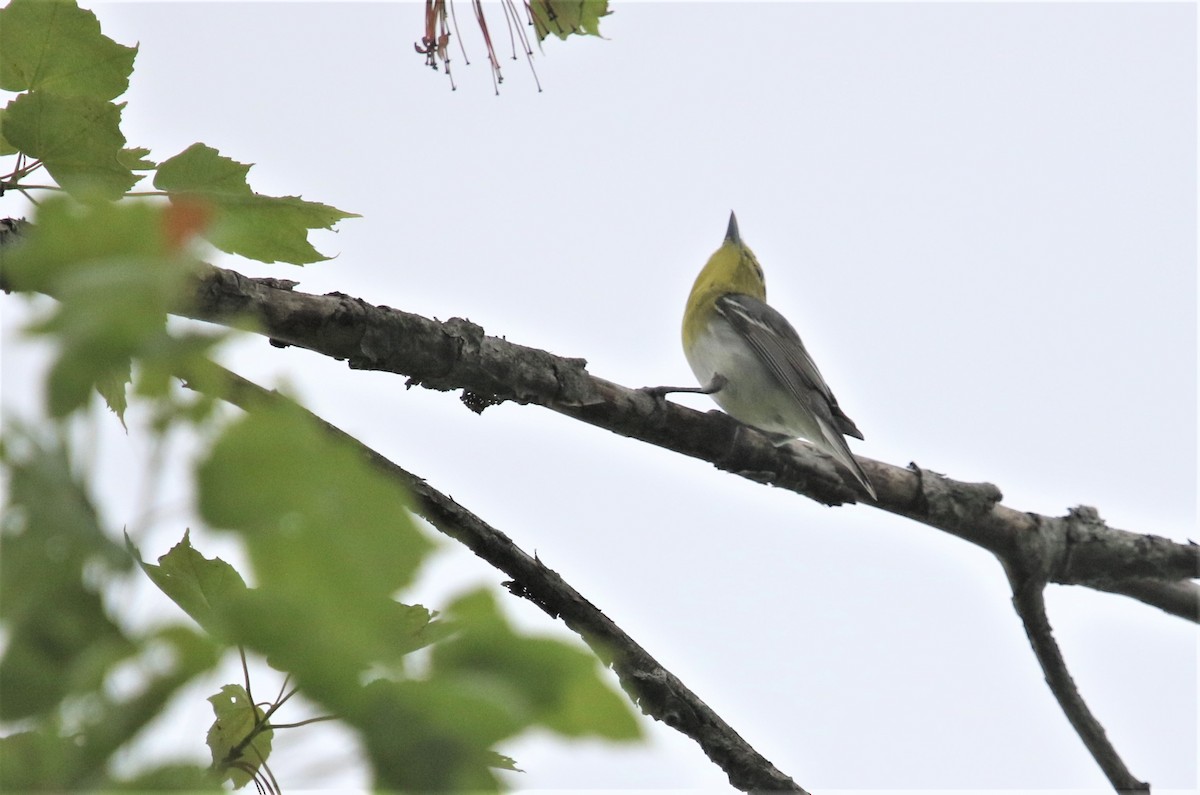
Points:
(752, 362)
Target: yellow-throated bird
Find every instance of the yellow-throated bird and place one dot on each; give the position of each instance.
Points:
(752, 362)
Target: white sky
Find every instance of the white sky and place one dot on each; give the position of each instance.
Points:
(982, 220)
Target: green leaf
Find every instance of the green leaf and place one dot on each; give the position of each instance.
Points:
(134, 158)
(6, 148)
(319, 636)
(566, 17)
(554, 684)
(58, 47)
(115, 277)
(273, 228)
(237, 720)
(502, 762)
(200, 169)
(78, 139)
(67, 238)
(327, 642)
(111, 386)
(33, 760)
(432, 736)
(265, 228)
(310, 507)
(331, 540)
(207, 590)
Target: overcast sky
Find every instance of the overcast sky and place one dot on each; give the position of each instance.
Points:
(980, 217)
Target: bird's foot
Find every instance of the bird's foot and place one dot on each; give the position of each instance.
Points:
(659, 395)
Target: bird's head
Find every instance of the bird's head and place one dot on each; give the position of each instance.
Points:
(732, 268)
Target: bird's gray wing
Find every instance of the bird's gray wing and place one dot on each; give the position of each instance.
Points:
(777, 344)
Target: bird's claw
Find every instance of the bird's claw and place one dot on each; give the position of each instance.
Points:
(658, 394)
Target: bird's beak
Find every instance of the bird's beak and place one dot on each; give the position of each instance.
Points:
(731, 234)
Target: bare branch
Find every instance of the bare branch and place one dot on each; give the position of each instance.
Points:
(1031, 607)
(456, 354)
(1181, 598)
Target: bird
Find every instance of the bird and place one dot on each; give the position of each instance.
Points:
(750, 359)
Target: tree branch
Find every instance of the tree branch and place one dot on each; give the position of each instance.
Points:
(1078, 549)
(1031, 607)
(652, 687)
(1177, 598)
(456, 354)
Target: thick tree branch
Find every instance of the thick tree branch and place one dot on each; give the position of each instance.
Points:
(456, 354)
(652, 687)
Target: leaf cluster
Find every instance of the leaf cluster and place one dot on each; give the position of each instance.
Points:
(66, 121)
(65, 646)
(331, 543)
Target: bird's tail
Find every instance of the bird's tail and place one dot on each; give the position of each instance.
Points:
(835, 445)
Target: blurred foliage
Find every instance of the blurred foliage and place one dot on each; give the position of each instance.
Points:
(60, 638)
(116, 278)
(64, 645)
(331, 542)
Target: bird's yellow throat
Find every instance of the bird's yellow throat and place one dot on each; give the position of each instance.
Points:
(732, 268)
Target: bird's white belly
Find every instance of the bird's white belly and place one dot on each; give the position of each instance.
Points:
(752, 393)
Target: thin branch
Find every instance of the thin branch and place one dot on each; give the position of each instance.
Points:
(279, 697)
(653, 688)
(1030, 604)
